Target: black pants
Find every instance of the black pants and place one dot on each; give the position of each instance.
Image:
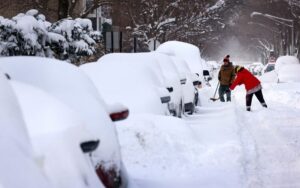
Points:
(224, 90)
(259, 96)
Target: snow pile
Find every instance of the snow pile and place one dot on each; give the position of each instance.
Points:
(285, 93)
(270, 77)
(161, 150)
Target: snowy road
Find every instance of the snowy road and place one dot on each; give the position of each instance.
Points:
(270, 139)
(221, 146)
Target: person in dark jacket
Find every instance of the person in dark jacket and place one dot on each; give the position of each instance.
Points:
(252, 86)
(226, 77)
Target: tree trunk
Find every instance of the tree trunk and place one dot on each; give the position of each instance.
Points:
(63, 9)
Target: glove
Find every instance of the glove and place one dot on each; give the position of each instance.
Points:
(227, 90)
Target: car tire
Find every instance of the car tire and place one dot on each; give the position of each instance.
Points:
(180, 109)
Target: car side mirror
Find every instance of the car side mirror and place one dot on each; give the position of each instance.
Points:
(205, 73)
(197, 82)
(89, 146)
(170, 89)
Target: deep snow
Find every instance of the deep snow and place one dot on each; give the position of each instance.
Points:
(222, 145)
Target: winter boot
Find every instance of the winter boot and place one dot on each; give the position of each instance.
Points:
(264, 105)
(248, 108)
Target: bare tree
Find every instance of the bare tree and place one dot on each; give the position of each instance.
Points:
(192, 20)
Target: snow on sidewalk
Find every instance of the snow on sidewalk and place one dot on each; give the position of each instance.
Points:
(220, 165)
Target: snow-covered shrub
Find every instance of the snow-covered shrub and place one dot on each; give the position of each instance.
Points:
(24, 34)
(79, 37)
(31, 34)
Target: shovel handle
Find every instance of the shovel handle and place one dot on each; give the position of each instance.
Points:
(216, 89)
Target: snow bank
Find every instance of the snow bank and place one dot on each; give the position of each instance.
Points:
(284, 93)
(269, 77)
(164, 145)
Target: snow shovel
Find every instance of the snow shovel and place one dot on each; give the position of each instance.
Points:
(214, 98)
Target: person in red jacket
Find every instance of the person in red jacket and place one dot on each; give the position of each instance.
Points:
(252, 86)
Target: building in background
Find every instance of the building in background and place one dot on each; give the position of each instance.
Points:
(100, 15)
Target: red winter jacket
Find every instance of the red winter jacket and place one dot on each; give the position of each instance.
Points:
(245, 77)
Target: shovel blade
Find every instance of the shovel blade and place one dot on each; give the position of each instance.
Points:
(214, 99)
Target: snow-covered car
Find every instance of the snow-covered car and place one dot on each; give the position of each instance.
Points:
(269, 67)
(131, 79)
(213, 65)
(59, 137)
(70, 85)
(256, 68)
(19, 167)
(190, 93)
(172, 80)
(288, 69)
(188, 52)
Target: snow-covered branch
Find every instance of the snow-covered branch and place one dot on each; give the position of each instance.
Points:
(31, 34)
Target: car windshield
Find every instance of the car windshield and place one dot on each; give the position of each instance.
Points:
(269, 68)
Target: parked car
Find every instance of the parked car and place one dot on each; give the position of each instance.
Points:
(288, 69)
(269, 67)
(190, 93)
(70, 85)
(172, 80)
(59, 137)
(19, 167)
(132, 79)
(189, 53)
(256, 68)
(213, 65)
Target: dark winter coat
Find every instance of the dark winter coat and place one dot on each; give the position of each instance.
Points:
(246, 78)
(226, 74)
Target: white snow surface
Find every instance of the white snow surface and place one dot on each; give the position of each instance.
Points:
(188, 52)
(18, 166)
(56, 133)
(288, 69)
(221, 146)
(130, 79)
(70, 85)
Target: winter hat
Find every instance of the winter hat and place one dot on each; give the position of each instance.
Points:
(227, 57)
(238, 68)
